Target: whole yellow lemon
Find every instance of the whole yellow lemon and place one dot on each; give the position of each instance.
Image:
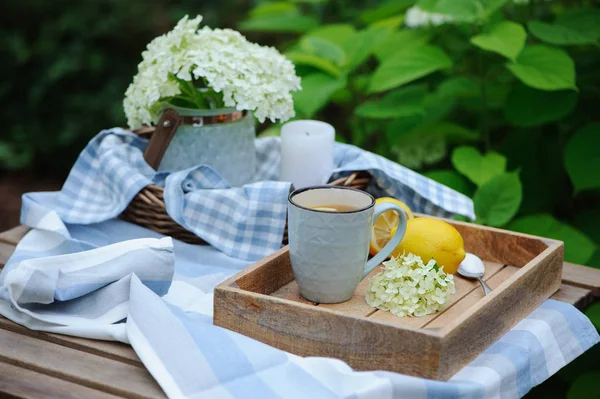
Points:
(432, 238)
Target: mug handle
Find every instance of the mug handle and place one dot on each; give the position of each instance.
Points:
(393, 243)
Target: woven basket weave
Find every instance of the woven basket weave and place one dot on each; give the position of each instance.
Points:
(147, 209)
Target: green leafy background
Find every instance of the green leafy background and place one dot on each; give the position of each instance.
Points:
(502, 104)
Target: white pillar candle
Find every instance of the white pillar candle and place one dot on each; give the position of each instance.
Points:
(306, 152)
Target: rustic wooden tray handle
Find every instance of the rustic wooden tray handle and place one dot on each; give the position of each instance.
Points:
(164, 132)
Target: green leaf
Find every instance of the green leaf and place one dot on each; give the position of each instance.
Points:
(409, 38)
(458, 87)
(593, 312)
(588, 221)
(544, 68)
(579, 248)
(360, 46)
(288, 23)
(462, 10)
(323, 49)
(12, 158)
(314, 61)
(453, 180)
(497, 200)
(400, 102)
(407, 66)
(559, 35)
(506, 38)
(278, 7)
(595, 259)
(582, 158)
(584, 20)
(391, 22)
(360, 83)
(385, 10)
(585, 386)
(453, 133)
(335, 33)
(272, 131)
(478, 168)
(530, 107)
(316, 91)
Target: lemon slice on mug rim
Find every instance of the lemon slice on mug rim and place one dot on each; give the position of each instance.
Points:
(386, 224)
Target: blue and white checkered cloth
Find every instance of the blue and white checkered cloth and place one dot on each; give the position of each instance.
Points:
(83, 279)
(244, 222)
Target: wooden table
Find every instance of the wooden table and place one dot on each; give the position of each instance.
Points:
(41, 365)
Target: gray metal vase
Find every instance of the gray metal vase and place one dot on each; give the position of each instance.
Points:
(226, 147)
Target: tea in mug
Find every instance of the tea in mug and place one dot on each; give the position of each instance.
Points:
(334, 208)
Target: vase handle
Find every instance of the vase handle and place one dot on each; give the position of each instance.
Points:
(164, 132)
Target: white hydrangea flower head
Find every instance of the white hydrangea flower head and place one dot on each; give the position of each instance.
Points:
(415, 17)
(250, 77)
(408, 287)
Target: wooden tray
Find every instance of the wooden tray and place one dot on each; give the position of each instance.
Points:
(263, 302)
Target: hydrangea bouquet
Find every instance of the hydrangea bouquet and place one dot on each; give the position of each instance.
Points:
(210, 69)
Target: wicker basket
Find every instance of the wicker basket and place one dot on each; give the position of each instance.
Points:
(147, 209)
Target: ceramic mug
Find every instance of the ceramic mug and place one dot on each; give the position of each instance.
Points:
(329, 249)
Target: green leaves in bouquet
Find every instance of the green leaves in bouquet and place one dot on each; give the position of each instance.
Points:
(407, 65)
(544, 68)
(579, 248)
(582, 158)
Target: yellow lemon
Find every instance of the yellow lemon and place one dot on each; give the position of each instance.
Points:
(433, 238)
(386, 224)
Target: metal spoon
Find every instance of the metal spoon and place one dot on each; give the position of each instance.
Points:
(472, 267)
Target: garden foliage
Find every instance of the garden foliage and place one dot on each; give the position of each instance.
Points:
(497, 99)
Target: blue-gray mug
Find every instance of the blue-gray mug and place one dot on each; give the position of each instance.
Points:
(329, 231)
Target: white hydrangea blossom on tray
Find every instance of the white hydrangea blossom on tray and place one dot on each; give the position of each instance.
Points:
(408, 287)
(249, 76)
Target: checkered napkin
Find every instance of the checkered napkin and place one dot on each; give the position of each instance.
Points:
(244, 222)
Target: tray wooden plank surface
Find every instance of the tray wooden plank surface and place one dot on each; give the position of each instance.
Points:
(25, 376)
(264, 302)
